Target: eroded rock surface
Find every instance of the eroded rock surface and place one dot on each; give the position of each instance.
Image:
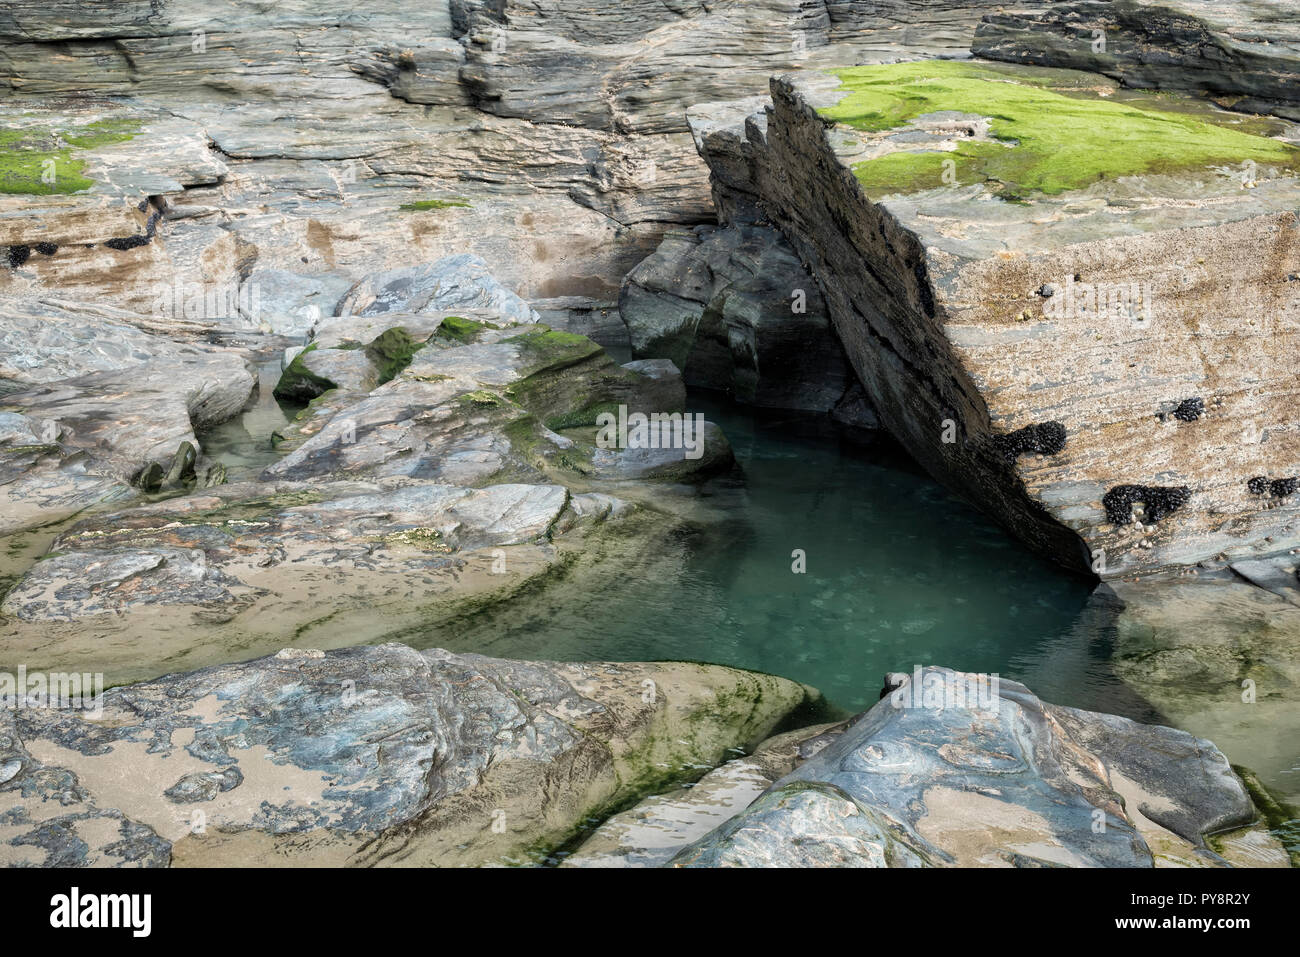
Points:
(1246, 55)
(375, 756)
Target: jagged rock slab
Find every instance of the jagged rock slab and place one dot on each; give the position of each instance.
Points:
(373, 756)
(945, 772)
(1116, 439)
(735, 310)
(1246, 55)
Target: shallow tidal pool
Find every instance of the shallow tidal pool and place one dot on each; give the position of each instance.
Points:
(897, 572)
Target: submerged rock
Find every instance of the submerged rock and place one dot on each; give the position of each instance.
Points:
(1220, 658)
(947, 772)
(372, 756)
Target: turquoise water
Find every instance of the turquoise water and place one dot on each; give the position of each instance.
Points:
(899, 572)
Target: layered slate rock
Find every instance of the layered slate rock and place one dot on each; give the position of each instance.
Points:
(472, 400)
(96, 407)
(735, 310)
(1027, 305)
(371, 756)
(185, 582)
(1245, 55)
(286, 138)
(945, 772)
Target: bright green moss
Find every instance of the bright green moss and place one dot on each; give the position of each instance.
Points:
(28, 153)
(1045, 140)
(459, 330)
(551, 349)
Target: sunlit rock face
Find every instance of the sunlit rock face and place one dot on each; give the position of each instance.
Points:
(1094, 344)
(549, 140)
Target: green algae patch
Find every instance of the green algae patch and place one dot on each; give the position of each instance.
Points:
(1044, 138)
(425, 205)
(460, 330)
(41, 160)
(298, 383)
(551, 350)
(391, 353)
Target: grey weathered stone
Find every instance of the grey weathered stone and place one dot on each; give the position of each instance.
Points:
(1246, 55)
(456, 282)
(373, 755)
(945, 772)
(735, 310)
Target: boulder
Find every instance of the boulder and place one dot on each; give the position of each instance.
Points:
(953, 769)
(482, 400)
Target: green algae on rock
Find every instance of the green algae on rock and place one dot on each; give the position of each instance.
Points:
(1044, 133)
(424, 205)
(41, 161)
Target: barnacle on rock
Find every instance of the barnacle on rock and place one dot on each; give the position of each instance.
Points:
(1043, 438)
(1277, 488)
(1159, 501)
(1281, 488)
